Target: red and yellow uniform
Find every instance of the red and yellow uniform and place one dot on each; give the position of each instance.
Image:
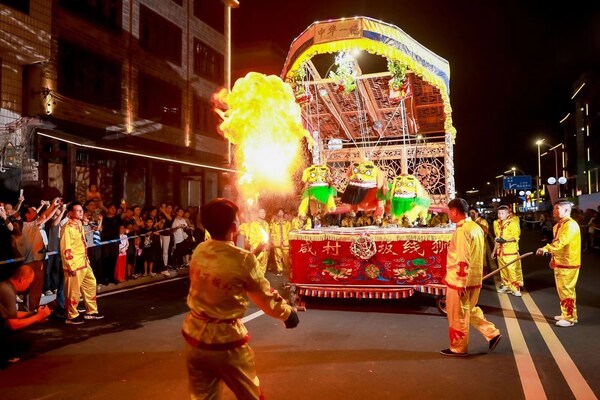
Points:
(73, 251)
(257, 233)
(565, 249)
(280, 229)
(464, 269)
(508, 251)
(223, 278)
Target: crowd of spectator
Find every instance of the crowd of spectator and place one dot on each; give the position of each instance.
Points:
(141, 241)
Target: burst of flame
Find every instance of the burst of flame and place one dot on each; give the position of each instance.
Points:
(262, 119)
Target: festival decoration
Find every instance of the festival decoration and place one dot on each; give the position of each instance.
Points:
(363, 247)
(366, 183)
(344, 75)
(409, 199)
(398, 257)
(398, 85)
(317, 189)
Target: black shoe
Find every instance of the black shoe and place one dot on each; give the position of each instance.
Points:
(94, 316)
(448, 352)
(494, 342)
(75, 321)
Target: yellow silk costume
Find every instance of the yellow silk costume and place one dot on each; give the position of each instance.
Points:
(258, 232)
(518, 265)
(73, 251)
(483, 224)
(298, 224)
(464, 268)
(280, 229)
(507, 252)
(565, 249)
(223, 278)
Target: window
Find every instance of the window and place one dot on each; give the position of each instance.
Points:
(106, 13)
(211, 12)
(159, 101)
(160, 36)
(208, 63)
(20, 5)
(204, 118)
(89, 77)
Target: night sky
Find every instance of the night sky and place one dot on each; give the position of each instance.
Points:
(513, 65)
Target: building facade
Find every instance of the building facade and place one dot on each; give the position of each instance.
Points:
(581, 130)
(117, 93)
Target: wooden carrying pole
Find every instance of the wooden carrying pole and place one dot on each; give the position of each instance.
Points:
(494, 272)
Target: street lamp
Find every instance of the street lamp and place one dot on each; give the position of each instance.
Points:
(537, 181)
(556, 176)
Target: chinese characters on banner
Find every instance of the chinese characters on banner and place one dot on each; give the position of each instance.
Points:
(396, 262)
(338, 30)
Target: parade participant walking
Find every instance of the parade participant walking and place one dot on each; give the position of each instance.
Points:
(79, 277)
(506, 250)
(565, 250)
(463, 277)
(280, 229)
(223, 278)
(258, 234)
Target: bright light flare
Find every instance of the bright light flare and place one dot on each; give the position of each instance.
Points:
(261, 117)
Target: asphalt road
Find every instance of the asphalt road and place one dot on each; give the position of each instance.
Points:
(342, 349)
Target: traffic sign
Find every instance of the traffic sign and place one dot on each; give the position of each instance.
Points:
(517, 182)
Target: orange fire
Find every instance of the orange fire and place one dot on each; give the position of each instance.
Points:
(262, 119)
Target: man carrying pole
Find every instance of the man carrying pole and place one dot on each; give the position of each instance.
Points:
(464, 268)
(565, 250)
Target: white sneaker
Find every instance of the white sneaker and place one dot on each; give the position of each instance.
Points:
(152, 274)
(166, 273)
(517, 293)
(559, 317)
(503, 289)
(563, 323)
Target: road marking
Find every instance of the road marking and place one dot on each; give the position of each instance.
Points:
(530, 380)
(129, 289)
(576, 381)
(252, 316)
(244, 320)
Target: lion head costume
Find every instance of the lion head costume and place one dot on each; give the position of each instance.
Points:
(318, 188)
(409, 199)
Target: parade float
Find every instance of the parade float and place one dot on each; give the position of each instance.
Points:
(376, 104)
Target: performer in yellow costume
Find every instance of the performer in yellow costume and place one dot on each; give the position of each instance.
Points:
(464, 268)
(483, 224)
(223, 278)
(518, 266)
(506, 250)
(79, 277)
(280, 229)
(301, 222)
(257, 233)
(565, 249)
